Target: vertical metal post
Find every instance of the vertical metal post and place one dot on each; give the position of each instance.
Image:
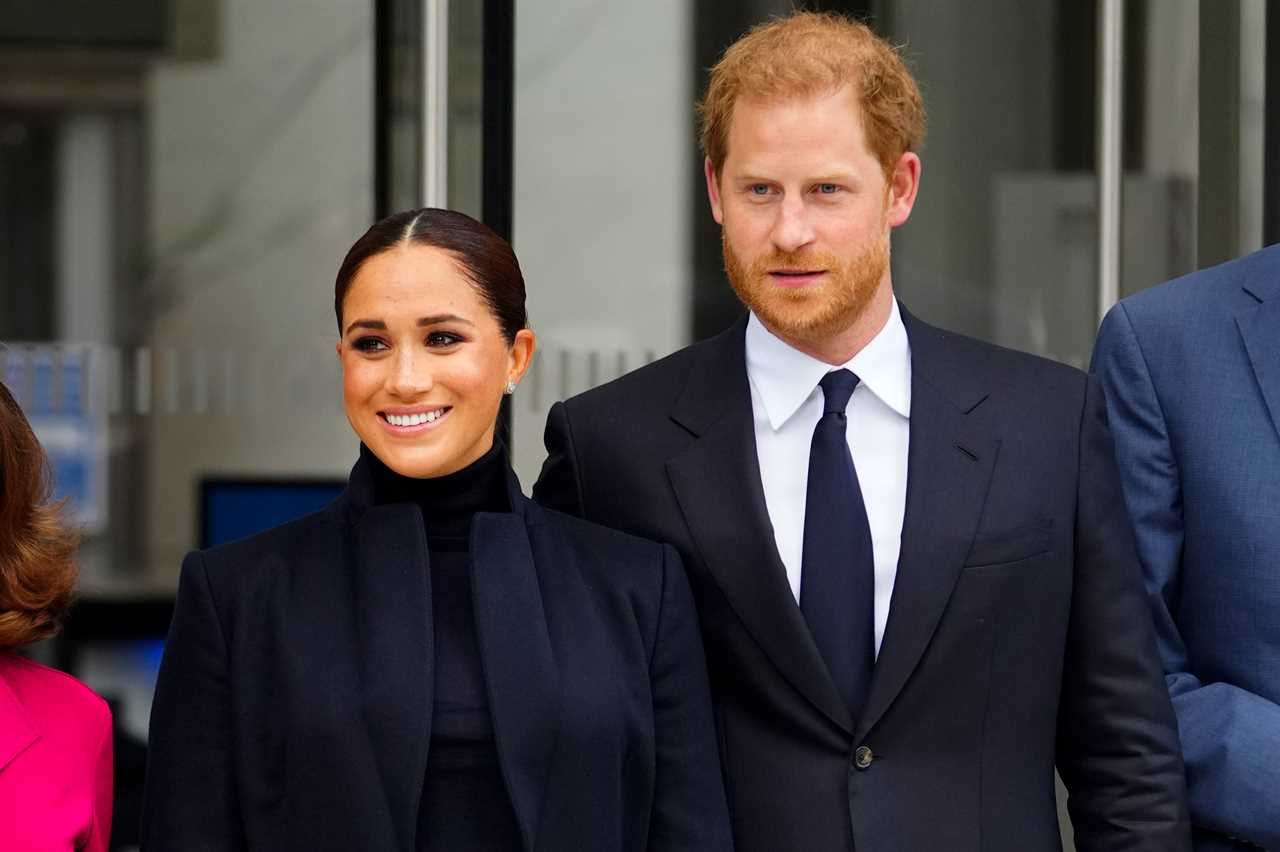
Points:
(435, 103)
(1110, 149)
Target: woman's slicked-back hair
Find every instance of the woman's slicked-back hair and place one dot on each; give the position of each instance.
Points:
(37, 551)
(484, 257)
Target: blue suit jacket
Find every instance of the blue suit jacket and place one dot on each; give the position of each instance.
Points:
(1191, 371)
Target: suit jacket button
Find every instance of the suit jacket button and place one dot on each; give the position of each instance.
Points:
(862, 757)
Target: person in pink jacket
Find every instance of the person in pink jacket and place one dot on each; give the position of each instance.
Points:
(55, 734)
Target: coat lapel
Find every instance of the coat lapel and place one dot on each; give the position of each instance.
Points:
(17, 732)
(949, 467)
(1259, 324)
(519, 665)
(717, 484)
(397, 655)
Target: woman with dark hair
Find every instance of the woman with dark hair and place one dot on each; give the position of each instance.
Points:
(55, 734)
(433, 662)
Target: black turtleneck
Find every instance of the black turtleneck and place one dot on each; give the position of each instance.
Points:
(449, 502)
(464, 804)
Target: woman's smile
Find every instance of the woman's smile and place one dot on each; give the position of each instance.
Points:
(413, 421)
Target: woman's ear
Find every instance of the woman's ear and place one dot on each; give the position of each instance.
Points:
(522, 349)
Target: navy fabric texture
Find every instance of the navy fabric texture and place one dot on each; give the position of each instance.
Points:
(293, 709)
(1018, 638)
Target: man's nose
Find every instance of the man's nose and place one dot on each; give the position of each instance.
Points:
(793, 229)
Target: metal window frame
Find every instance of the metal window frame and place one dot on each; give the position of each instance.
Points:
(1110, 151)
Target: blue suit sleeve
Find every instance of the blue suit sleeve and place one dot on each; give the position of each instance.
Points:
(690, 812)
(1230, 737)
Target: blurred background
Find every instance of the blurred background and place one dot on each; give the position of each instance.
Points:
(179, 180)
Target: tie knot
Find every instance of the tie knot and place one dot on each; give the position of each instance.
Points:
(837, 386)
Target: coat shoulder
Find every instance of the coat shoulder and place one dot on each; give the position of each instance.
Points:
(654, 386)
(951, 360)
(51, 695)
(601, 542)
(1205, 293)
(316, 536)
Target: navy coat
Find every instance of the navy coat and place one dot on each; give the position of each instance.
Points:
(1192, 372)
(293, 708)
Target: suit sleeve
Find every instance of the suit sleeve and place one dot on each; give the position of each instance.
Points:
(690, 812)
(1117, 747)
(100, 830)
(1230, 737)
(559, 485)
(190, 802)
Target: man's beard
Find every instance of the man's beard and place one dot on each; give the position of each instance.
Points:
(813, 312)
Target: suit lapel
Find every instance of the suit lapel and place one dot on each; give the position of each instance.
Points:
(949, 467)
(717, 485)
(1259, 325)
(519, 665)
(397, 653)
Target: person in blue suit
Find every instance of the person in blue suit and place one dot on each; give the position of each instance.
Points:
(1191, 371)
(433, 663)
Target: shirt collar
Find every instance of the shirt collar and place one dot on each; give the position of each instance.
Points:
(784, 377)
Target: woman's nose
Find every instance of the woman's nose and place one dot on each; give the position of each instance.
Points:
(410, 376)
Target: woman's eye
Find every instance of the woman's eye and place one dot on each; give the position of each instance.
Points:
(441, 339)
(369, 344)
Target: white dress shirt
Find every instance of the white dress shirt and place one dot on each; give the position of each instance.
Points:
(787, 404)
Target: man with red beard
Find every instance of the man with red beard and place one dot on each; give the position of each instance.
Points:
(913, 567)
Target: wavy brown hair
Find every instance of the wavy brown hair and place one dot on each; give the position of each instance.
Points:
(37, 551)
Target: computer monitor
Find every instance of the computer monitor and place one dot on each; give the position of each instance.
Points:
(232, 508)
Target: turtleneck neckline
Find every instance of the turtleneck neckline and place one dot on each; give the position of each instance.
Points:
(447, 502)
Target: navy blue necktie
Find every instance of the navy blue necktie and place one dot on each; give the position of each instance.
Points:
(837, 579)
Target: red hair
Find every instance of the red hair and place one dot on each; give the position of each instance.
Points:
(808, 54)
(37, 551)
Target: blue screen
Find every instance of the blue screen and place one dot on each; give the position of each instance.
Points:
(234, 510)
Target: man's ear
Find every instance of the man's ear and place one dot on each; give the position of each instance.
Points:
(713, 190)
(903, 186)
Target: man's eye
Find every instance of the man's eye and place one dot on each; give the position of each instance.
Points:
(828, 188)
(369, 344)
(759, 189)
(442, 339)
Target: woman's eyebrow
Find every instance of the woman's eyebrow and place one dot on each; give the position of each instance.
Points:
(436, 319)
(378, 325)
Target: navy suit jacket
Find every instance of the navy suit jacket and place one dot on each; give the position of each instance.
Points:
(1018, 636)
(1192, 374)
(293, 708)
